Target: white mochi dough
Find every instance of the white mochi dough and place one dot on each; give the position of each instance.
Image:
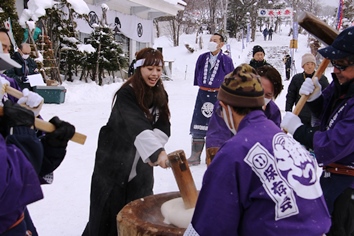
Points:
(176, 214)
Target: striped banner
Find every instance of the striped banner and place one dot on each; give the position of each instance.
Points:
(340, 14)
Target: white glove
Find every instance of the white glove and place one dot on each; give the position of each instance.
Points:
(311, 88)
(3, 84)
(31, 100)
(290, 122)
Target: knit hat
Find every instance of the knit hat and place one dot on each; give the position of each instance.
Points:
(308, 57)
(341, 47)
(242, 88)
(256, 49)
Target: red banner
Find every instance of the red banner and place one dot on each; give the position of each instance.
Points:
(287, 12)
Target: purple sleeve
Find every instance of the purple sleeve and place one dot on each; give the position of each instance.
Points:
(19, 184)
(272, 112)
(333, 144)
(14, 85)
(199, 70)
(217, 132)
(218, 212)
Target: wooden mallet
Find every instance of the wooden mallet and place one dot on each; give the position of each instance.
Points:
(179, 164)
(325, 34)
(41, 124)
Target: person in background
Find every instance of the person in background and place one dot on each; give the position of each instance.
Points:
(218, 132)
(332, 140)
(210, 69)
(131, 68)
(44, 158)
(28, 66)
(261, 178)
(130, 144)
(265, 33)
(258, 57)
(287, 63)
(36, 33)
(270, 34)
(308, 63)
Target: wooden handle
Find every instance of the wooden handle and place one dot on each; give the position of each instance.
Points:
(302, 101)
(184, 178)
(41, 124)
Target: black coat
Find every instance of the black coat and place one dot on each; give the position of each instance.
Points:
(255, 64)
(293, 96)
(18, 73)
(115, 160)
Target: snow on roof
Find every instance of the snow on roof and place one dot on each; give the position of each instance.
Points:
(176, 2)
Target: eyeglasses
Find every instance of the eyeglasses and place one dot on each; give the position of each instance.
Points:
(339, 66)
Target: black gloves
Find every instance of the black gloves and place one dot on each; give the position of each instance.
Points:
(61, 135)
(16, 115)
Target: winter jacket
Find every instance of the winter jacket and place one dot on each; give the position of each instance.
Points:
(20, 74)
(131, 68)
(19, 183)
(257, 182)
(265, 32)
(293, 96)
(218, 132)
(255, 64)
(121, 173)
(287, 62)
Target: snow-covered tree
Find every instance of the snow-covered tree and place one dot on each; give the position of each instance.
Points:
(109, 55)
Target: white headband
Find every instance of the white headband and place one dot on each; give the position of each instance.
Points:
(141, 62)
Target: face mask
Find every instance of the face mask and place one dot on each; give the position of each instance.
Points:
(24, 56)
(266, 101)
(232, 128)
(212, 46)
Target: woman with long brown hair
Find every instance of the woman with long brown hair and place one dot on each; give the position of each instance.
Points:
(130, 144)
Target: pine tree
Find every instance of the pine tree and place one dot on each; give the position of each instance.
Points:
(9, 11)
(60, 27)
(109, 55)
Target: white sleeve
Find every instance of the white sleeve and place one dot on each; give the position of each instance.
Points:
(148, 141)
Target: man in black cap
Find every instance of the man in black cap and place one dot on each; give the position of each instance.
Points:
(332, 140)
(258, 57)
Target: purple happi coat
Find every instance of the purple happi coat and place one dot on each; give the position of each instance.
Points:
(218, 132)
(19, 184)
(207, 77)
(332, 143)
(223, 66)
(261, 182)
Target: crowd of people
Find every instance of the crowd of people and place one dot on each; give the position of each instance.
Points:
(258, 176)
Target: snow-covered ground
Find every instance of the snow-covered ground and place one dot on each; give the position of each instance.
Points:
(64, 209)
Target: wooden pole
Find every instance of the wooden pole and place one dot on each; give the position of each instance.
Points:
(41, 124)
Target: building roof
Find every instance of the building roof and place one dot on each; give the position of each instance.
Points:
(146, 9)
